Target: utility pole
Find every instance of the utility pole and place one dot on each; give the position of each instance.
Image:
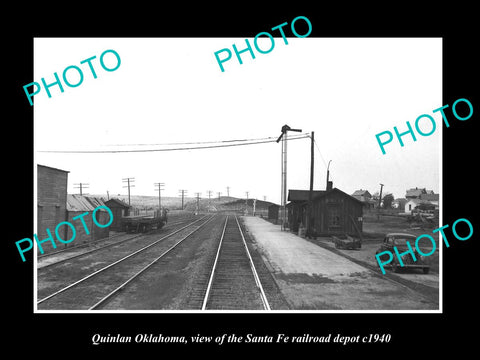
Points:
(81, 187)
(159, 188)
(380, 198)
(129, 185)
(228, 190)
(246, 203)
(310, 193)
(285, 130)
(183, 192)
(198, 202)
(219, 193)
(209, 192)
(108, 195)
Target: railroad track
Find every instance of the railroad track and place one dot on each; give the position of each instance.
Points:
(103, 244)
(234, 283)
(92, 290)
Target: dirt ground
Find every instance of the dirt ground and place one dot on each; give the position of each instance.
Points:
(376, 227)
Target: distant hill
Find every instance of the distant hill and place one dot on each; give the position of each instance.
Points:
(149, 202)
(224, 203)
(227, 203)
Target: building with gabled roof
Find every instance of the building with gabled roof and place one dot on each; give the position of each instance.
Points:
(78, 205)
(415, 193)
(362, 195)
(365, 197)
(334, 212)
(119, 209)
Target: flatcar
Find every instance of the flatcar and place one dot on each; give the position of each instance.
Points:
(144, 223)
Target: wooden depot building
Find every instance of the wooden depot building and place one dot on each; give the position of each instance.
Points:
(333, 212)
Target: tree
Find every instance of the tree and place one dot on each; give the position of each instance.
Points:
(387, 201)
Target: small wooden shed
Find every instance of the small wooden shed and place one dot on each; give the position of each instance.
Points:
(296, 209)
(119, 210)
(77, 205)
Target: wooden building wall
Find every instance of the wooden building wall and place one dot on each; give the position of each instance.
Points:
(51, 201)
(81, 236)
(335, 212)
(118, 212)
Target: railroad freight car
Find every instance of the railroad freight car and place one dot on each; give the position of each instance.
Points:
(144, 223)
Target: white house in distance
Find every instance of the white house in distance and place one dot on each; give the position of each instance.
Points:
(416, 197)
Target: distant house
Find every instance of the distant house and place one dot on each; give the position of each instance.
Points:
(416, 197)
(415, 193)
(365, 197)
(414, 203)
(119, 210)
(362, 195)
(77, 205)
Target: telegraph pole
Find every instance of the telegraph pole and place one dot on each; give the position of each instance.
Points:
(228, 190)
(81, 187)
(283, 137)
(183, 194)
(159, 188)
(310, 193)
(246, 203)
(380, 198)
(209, 192)
(198, 202)
(128, 181)
(219, 193)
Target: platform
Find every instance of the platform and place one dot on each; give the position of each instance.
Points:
(288, 253)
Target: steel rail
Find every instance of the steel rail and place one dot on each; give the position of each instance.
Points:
(96, 241)
(210, 281)
(77, 246)
(115, 263)
(255, 274)
(96, 249)
(96, 305)
(263, 297)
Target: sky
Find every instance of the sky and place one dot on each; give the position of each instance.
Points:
(171, 90)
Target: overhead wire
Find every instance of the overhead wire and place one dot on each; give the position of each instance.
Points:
(198, 142)
(318, 149)
(221, 145)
